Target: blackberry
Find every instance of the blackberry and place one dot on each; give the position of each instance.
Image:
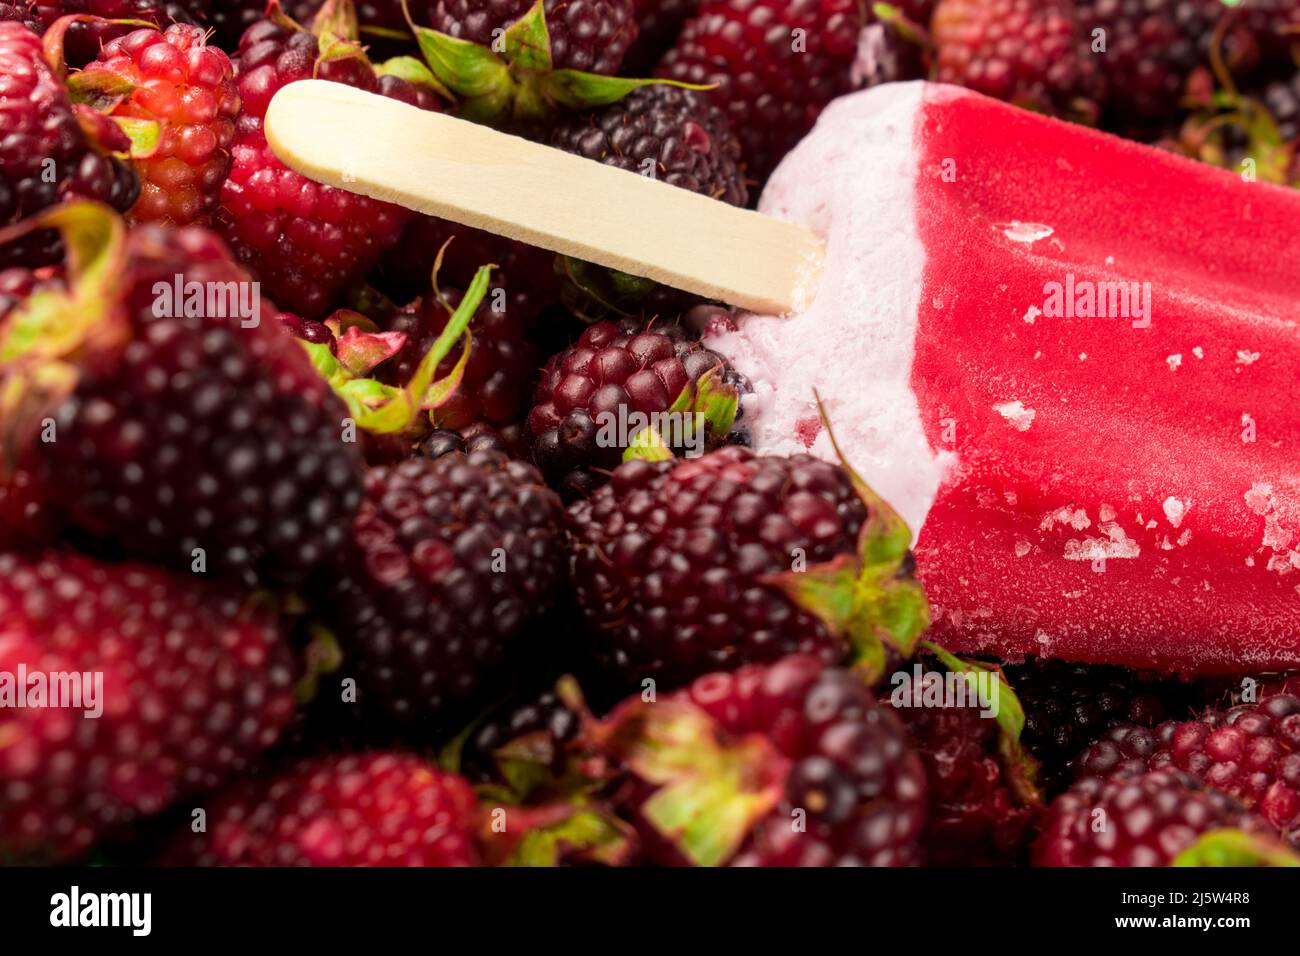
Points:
(1068, 706)
(1143, 820)
(369, 809)
(201, 441)
(1251, 751)
(45, 157)
(827, 775)
(196, 681)
(613, 370)
(658, 24)
(672, 133)
(84, 40)
(588, 35)
(449, 559)
(1021, 51)
(685, 568)
(775, 65)
(541, 716)
(507, 440)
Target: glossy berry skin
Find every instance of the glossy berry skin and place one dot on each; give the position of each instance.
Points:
(669, 559)
(449, 559)
(771, 92)
(536, 715)
(368, 809)
(588, 35)
(45, 157)
(196, 680)
(1135, 820)
(850, 766)
(1023, 51)
(975, 815)
(305, 241)
(1069, 706)
(502, 360)
(189, 87)
(200, 433)
(1251, 751)
(674, 134)
(613, 370)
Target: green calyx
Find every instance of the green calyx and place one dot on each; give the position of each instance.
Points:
(1230, 847)
(514, 79)
(711, 788)
(1020, 766)
(700, 418)
(556, 834)
(865, 598)
(44, 341)
(386, 409)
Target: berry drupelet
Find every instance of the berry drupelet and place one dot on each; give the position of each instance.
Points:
(449, 559)
(196, 680)
(188, 86)
(368, 809)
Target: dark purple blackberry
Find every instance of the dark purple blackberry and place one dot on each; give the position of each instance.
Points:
(614, 370)
(812, 738)
(1068, 706)
(589, 35)
(674, 134)
(45, 157)
(199, 441)
(479, 436)
(83, 40)
(448, 561)
(670, 561)
(1144, 820)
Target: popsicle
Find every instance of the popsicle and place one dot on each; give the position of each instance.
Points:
(1070, 361)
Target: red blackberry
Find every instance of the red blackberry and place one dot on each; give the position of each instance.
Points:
(449, 558)
(83, 40)
(1068, 706)
(188, 86)
(587, 35)
(670, 133)
(614, 371)
(982, 801)
(196, 680)
(370, 809)
(206, 441)
(776, 64)
(502, 360)
(305, 241)
(1251, 751)
(1023, 51)
(1143, 820)
(682, 568)
(787, 764)
(45, 156)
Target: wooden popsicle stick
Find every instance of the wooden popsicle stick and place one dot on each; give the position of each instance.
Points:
(480, 177)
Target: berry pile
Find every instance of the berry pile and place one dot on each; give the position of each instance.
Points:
(372, 524)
